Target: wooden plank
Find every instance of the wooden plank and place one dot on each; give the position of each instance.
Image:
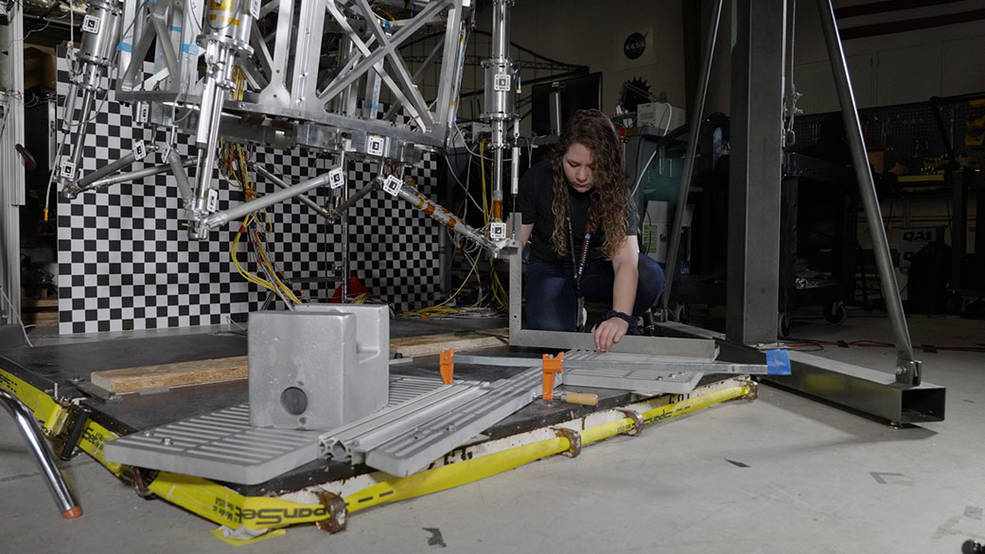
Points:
(431, 345)
(39, 304)
(217, 370)
(199, 372)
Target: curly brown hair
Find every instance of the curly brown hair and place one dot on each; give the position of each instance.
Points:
(610, 195)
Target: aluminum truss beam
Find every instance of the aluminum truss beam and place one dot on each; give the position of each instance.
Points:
(614, 360)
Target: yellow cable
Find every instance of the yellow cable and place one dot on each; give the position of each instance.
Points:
(273, 272)
(441, 309)
(242, 271)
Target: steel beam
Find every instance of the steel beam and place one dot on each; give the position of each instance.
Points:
(868, 391)
(12, 195)
(754, 187)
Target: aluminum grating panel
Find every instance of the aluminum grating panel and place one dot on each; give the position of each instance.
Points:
(412, 451)
(645, 382)
(221, 445)
(224, 446)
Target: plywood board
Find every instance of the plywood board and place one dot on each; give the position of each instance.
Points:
(153, 377)
(165, 376)
(431, 345)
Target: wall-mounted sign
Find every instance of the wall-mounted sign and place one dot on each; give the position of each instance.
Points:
(634, 46)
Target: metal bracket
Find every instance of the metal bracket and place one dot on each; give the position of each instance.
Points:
(140, 478)
(77, 427)
(574, 441)
(908, 372)
(338, 515)
(637, 421)
(753, 391)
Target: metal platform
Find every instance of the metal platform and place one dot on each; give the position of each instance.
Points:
(224, 446)
(423, 420)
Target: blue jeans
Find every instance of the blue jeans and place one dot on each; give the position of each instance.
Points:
(550, 291)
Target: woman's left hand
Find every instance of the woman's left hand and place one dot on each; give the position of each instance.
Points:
(610, 332)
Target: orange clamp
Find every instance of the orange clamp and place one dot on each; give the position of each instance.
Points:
(447, 366)
(551, 365)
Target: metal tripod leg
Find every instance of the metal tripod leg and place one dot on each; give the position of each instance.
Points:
(42, 453)
(692, 150)
(907, 369)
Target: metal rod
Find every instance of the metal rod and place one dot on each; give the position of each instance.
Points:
(692, 148)
(134, 175)
(206, 152)
(83, 125)
(351, 199)
(181, 177)
(417, 75)
(908, 369)
(42, 454)
(107, 169)
(280, 183)
(446, 218)
(221, 218)
(344, 296)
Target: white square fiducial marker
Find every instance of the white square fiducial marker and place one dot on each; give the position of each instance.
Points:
(91, 24)
(213, 201)
(139, 150)
(336, 178)
(497, 230)
(375, 145)
(502, 82)
(67, 170)
(141, 112)
(392, 185)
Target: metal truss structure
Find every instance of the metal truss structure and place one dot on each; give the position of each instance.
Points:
(324, 74)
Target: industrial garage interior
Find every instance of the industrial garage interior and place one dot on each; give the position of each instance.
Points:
(273, 275)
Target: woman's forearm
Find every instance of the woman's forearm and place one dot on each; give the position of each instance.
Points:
(624, 287)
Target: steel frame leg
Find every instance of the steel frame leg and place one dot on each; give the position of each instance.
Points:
(907, 368)
(42, 453)
(697, 115)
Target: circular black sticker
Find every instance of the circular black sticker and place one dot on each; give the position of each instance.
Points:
(634, 46)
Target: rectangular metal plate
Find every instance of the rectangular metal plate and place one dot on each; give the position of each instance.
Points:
(640, 381)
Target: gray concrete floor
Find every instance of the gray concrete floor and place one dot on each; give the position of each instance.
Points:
(818, 479)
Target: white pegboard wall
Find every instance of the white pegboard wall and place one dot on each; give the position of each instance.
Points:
(126, 263)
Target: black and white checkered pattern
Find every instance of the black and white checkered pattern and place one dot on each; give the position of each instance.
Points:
(126, 262)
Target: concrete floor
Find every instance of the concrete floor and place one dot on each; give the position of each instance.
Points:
(817, 479)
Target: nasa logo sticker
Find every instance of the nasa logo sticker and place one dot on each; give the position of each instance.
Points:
(634, 46)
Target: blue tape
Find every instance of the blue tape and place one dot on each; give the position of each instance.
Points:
(176, 28)
(777, 362)
(124, 47)
(189, 48)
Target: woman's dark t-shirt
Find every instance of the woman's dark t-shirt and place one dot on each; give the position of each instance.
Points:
(536, 204)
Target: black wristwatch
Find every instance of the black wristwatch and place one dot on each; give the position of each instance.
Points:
(631, 320)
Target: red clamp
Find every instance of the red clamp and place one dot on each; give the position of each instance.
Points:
(551, 365)
(447, 366)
